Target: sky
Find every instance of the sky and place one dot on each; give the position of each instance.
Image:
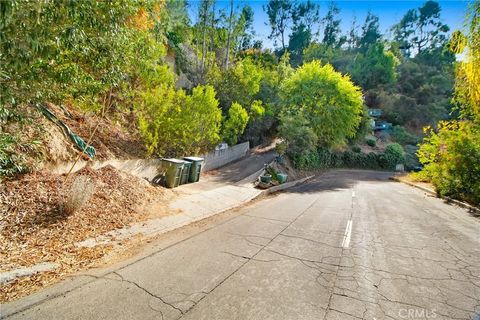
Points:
(389, 12)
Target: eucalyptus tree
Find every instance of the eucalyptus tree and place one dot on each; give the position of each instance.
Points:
(332, 33)
(421, 29)
(279, 18)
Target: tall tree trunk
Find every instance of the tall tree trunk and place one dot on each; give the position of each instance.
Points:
(229, 35)
(204, 43)
(211, 47)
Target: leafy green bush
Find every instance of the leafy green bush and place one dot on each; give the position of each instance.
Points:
(371, 142)
(392, 156)
(328, 100)
(323, 158)
(452, 160)
(237, 84)
(257, 110)
(11, 161)
(356, 149)
(234, 126)
(402, 136)
(298, 135)
(173, 123)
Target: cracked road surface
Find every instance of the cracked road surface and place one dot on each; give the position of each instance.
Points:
(347, 245)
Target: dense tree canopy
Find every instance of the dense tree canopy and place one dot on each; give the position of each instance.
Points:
(451, 154)
(330, 101)
(202, 64)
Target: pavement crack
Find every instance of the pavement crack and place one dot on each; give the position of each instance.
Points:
(236, 255)
(310, 240)
(252, 257)
(268, 219)
(147, 292)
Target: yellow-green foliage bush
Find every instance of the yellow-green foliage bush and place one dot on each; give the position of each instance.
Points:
(451, 158)
(173, 123)
(235, 124)
(451, 155)
(330, 102)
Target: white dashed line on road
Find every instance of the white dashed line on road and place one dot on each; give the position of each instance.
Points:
(347, 235)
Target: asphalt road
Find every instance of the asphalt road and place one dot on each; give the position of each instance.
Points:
(348, 245)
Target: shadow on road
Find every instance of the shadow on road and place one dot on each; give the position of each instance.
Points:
(340, 179)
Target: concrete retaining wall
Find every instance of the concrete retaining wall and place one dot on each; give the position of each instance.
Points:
(150, 168)
(219, 158)
(142, 168)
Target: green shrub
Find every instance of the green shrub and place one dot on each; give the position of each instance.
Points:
(402, 136)
(356, 149)
(11, 161)
(371, 142)
(392, 156)
(173, 123)
(411, 158)
(323, 158)
(235, 124)
(373, 160)
(300, 138)
(452, 160)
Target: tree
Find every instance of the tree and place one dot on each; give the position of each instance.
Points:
(423, 90)
(237, 84)
(245, 32)
(331, 34)
(393, 155)
(279, 16)
(204, 17)
(353, 38)
(467, 84)
(304, 16)
(404, 30)
(235, 124)
(174, 23)
(306, 13)
(451, 154)
(421, 29)
(330, 101)
(375, 68)
(230, 23)
(79, 51)
(370, 32)
(299, 40)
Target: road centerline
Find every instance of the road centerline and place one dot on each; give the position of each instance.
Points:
(347, 234)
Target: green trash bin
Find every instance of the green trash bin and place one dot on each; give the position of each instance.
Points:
(282, 178)
(187, 165)
(195, 169)
(173, 172)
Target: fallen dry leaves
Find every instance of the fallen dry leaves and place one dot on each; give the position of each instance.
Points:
(35, 229)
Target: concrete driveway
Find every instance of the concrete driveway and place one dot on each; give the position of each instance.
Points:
(348, 245)
(233, 173)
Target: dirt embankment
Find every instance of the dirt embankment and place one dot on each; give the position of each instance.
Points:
(41, 142)
(115, 136)
(36, 227)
